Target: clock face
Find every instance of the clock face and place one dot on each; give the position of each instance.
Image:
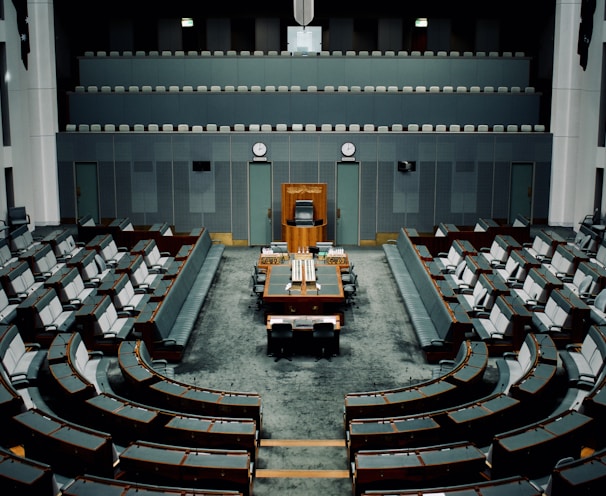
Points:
(348, 149)
(259, 149)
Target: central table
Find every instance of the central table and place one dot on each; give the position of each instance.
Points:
(284, 296)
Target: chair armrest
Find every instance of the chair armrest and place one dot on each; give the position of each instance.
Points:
(437, 341)
(483, 315)
(485, 249)
(538, 308)
(19, 382)
(96, 354)
(510, 355)
(573, 347)
(50, 327)
(464, 289)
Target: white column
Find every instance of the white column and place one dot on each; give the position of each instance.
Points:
(43, 118)
(565, 104)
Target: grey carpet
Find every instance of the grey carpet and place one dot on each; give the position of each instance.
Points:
(303, 398)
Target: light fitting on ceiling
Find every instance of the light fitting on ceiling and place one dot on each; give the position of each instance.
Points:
(421, 22)
(187, 22)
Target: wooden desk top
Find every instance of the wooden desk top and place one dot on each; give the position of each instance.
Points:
(280, 287)
(267, 259)
(303, 322)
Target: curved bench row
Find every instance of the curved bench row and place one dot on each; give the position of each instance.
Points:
(475, 421)
(520, 486)
(458, 384)
(79, 396)
(147, 383)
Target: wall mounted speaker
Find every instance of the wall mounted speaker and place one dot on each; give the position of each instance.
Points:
(200, 166)
(407, 166)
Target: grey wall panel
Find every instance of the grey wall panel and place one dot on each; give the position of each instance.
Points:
(136, 109)
(304, 72)
(317, 70)
(184, 220)
(332, 108)
(540, 206)
(280, 174)
(165, 201)
(239, 195)
(502, 183)
(368, 200)
(459, 176)
(173, 72)
(145, 70)
(123, 187)
(250, 70)
(303, 107)
(223, 71)
(220, 217)
(359, 108)
(327, 174)
(486, 188)
(384, 71)
(278, 70)
(191, 110)
(360, 74)
(387, 183)
(67, 200)
(425, 218)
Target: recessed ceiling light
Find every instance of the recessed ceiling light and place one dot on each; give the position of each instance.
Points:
(421, 22)
(187, 22)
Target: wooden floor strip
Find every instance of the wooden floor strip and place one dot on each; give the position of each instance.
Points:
(262, 473)
(339, 443)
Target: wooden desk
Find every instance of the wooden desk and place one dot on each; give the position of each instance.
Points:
(267, 259)
(303, 298)
(303, 236)
(302, 326)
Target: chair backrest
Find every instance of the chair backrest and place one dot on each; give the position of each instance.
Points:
(17, 216)
(304, 212)
(281, 329)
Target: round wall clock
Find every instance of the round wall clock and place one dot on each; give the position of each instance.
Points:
(348, 149)
(259, 149)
